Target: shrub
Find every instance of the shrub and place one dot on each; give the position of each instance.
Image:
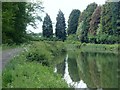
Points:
(72, 37)
(44, 52)
(39, 53)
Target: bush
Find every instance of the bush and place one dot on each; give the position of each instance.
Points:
(44, 52)
(38, 52)
(72, 37)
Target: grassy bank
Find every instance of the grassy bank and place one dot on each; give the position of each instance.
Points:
(89, 47)
(101, 48)
(34, 67)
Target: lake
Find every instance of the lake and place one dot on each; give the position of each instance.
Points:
(89, 70)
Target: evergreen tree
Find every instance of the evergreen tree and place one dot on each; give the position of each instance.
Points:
(106, 18)
(87, 16)
(60, 26)
(115, 22)
(79, 30)
(116, 18)
(47, 27)
(108, 22)
(82, 16)
(94, 22)
(118, 21)
(73, 21)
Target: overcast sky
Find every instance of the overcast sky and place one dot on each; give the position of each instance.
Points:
(66, 6)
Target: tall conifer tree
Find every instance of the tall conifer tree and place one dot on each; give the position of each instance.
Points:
(47, 27)
(86, 21)
(73, 21)
(60, 30)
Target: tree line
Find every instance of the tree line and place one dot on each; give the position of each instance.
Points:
(100, 24)
(60, 30)
(96, 24)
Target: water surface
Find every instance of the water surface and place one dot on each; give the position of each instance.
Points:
(89, 70)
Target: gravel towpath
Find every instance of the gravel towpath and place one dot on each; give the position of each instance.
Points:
(6, 55)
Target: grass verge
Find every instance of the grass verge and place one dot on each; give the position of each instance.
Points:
(33, 68)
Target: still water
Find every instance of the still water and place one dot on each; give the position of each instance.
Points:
(89, 70)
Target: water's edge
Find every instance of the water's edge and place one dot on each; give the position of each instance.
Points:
(67, 78)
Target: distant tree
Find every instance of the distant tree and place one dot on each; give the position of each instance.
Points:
(116, 18)
(47, 27)
(86, 20)
(116, 22)
(79, 30)
(109, 30)
(60, 30)
(82, 16)
(94, 22)
(80, 25)
(106, 18)
(73, 21)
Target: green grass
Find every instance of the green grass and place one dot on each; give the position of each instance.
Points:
(102, 48)
(11, 46)
(89, 47)
(33, 68)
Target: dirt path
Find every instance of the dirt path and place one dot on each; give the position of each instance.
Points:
(6, 55)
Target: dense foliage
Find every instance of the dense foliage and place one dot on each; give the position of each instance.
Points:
(73, 21)
(47, 27)
(96, 24)
(87, 16)
(15, 18)
(95, 20)
(60, 30)
(101, 24)
(34, 67)
(108, 32)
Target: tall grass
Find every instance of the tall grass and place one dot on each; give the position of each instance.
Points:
(33, 68)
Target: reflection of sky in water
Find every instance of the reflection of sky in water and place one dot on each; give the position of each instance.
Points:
(67, 78)
(89, 70)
